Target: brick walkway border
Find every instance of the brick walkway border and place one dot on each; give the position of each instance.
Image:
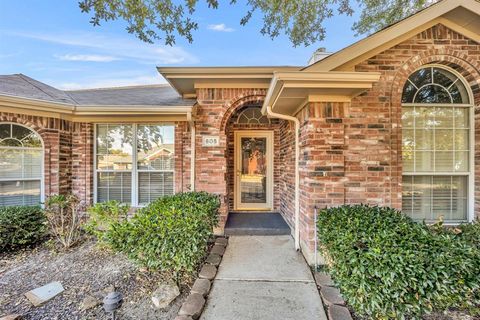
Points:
(331, 297)
(193, 306)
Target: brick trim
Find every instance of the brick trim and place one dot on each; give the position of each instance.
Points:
(238, 102)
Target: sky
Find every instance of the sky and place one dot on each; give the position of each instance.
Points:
(53, 41)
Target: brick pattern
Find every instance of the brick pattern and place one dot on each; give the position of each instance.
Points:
(322, 161)
(355, 157)
(82, 161)
(182, 157)
(287, 172)
(214, 109)
(54, 133)
(68, 160)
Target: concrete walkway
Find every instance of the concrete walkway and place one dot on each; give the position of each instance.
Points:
(263, 277)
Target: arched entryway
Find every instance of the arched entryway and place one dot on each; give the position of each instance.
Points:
(253, 156)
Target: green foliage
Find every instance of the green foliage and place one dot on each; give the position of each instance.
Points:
(301, 20)
(21, 226)
(389, 267)
(170, 234)
(101, 216)
(469, 232)
(64, 219)
(377, 14)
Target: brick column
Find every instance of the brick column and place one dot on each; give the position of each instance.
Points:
(322, 163)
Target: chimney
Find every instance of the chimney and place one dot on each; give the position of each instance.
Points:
(318, 55)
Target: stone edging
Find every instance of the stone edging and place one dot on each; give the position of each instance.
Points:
(331, 297)
(192, 307)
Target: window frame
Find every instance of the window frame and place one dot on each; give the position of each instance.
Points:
(134, 187)
(42, 164)
(471, 143)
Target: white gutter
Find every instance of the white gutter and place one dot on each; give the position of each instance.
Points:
(297, 175)
(192, 150)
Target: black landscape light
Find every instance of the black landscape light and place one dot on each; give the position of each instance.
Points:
(112, 302)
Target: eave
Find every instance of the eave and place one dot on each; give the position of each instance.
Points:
(290, 91)
(94, 113)
(186, 80)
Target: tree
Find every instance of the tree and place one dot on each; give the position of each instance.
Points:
(301, 20)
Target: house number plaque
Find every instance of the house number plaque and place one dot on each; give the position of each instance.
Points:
(210, 141)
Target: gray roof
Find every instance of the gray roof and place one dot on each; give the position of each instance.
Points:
(152, 95)
(20, 85)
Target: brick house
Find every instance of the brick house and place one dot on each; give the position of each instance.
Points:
(390, 120)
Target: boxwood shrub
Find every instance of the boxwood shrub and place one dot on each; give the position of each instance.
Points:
(170, 234)
(21, 226)
(389, 267)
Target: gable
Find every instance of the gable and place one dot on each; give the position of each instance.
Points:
(462, 16)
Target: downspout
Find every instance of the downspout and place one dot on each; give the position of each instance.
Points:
(191, 122)
(297, 175)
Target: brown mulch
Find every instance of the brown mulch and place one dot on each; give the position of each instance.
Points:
(84, 270)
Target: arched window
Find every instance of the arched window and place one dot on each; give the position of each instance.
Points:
(252, 115)
(21, 163)
(436, 146)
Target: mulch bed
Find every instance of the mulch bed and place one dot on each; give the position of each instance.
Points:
(85, 270)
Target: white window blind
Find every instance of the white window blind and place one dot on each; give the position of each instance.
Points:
(436, 145)
(21, 163)
(119, 147)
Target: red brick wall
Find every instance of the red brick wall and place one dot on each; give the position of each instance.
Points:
(68, 153)
(214, 109)
(182, 157)
(351, 153)
(82, 161)
(69, 149)
(287, 172)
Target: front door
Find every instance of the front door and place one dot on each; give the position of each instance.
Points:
(253, 170)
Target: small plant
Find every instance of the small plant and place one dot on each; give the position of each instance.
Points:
(170, 234)
(21, 226)
(64, 219)
(101, 217)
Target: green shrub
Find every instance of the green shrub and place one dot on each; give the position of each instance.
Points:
(21, 226)
(170, 234)
(101, 216)
(389, 267)
(470, 233)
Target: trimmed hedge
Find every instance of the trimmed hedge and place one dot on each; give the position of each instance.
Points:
(170, 234)
(389, 267)
(21, 226)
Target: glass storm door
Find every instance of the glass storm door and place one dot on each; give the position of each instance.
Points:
(253, 170)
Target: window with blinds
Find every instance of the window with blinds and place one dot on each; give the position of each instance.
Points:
(134, 163)
(155, 162)
(21, 163)
(436, 144)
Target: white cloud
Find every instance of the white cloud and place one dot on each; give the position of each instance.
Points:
(220, 27)
(121, 47)
(87, 57)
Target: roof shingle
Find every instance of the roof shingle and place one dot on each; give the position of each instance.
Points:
(20, 85)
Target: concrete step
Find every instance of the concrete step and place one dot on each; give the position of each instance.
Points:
(247, 223)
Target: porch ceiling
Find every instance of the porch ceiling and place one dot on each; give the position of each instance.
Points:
(290, 91)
